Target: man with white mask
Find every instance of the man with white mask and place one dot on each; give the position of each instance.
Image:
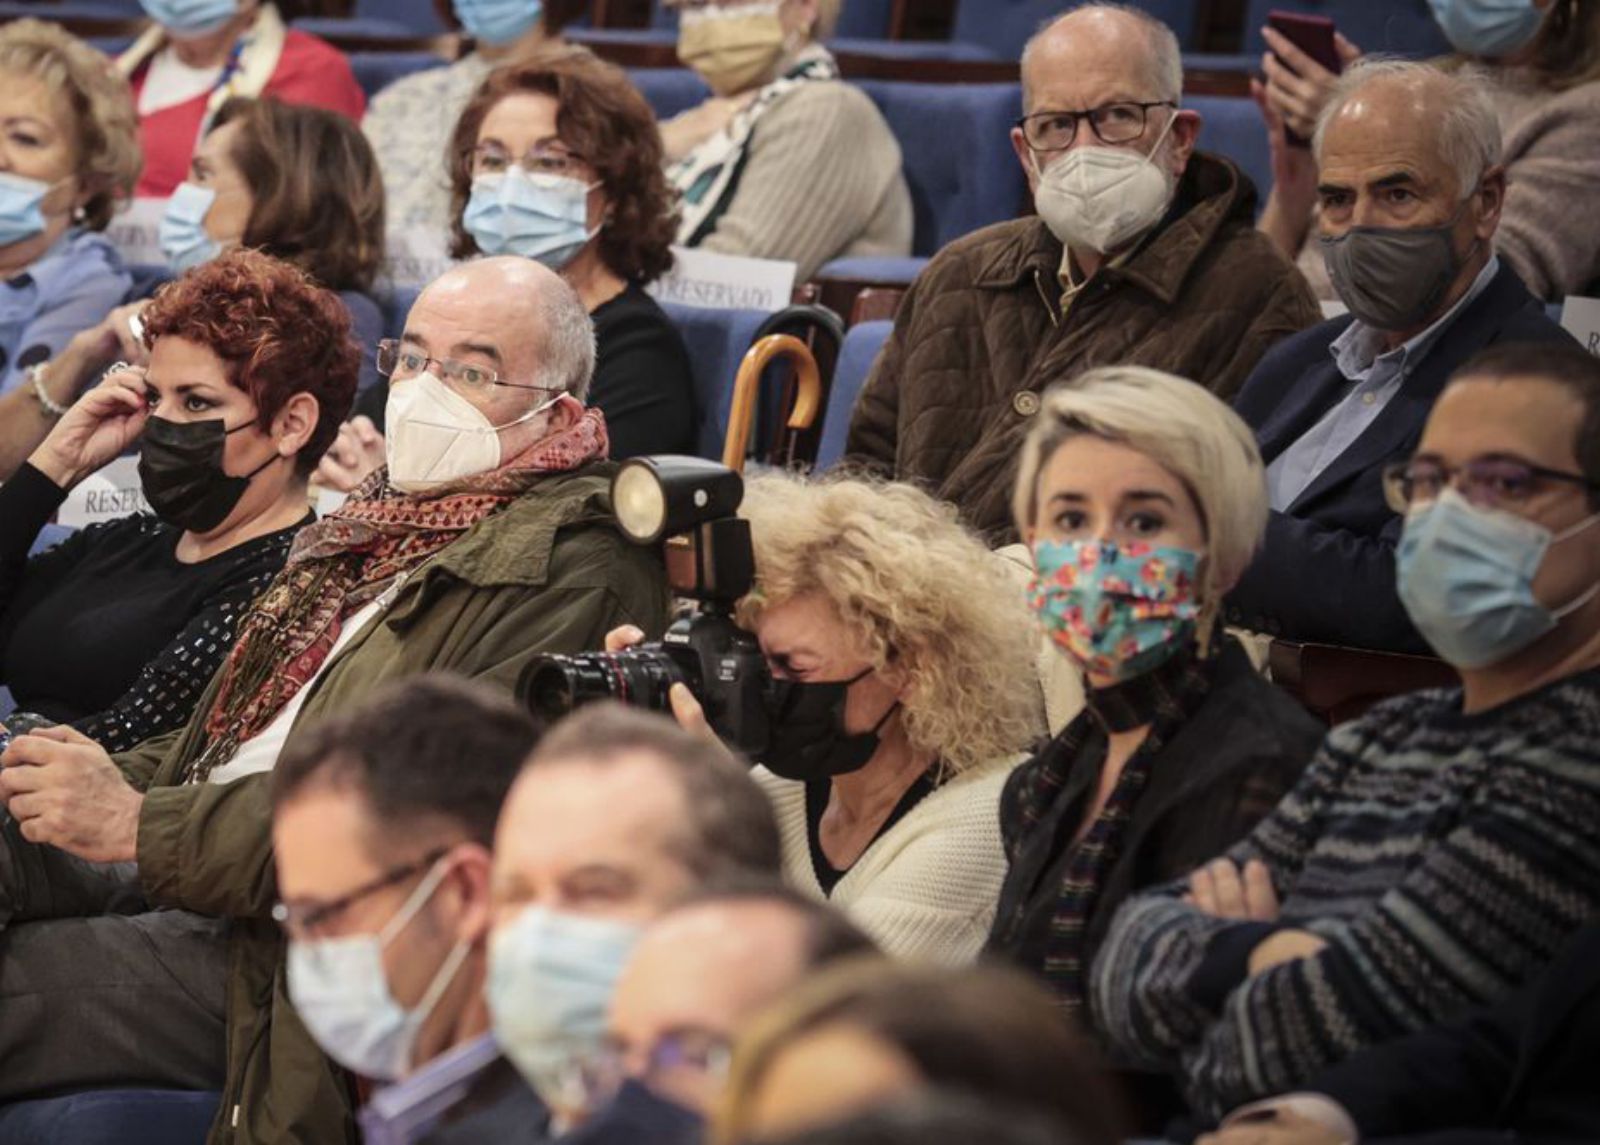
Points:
(494, 542)
(1143, 253)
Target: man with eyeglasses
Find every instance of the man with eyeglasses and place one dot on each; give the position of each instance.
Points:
(488, 540)
(1440, 850)
(1144, 251)
(1411, 190)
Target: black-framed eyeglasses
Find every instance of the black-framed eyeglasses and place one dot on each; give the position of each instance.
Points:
(395, 360)
(1490, 481)
(307, 920)
(1121, 122)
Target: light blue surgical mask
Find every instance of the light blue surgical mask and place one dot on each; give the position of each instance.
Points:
(183, 233)
(498, 21)
(1488, 28)
(1465, 576)
(551, 976)
(190, 17)
(542, 217)
(21, 208)
(341, 993)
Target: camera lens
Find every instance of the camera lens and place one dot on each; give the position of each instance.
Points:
(554, 685)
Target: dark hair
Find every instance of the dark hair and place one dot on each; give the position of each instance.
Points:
(278, 334)
(605, 121)
(938, 1119)
(731, 830)
(317, 190)
(1564, 364)
(557, 14)
(1566, 53)
(830, 936)
(431, 750)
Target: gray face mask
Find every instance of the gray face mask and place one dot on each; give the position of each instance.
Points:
(1393, 278)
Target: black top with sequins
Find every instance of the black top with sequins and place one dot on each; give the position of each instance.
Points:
(108, 631)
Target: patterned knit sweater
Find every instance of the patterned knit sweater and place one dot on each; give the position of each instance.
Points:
(1442, 857)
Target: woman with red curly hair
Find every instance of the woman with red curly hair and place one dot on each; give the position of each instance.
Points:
(117, 630)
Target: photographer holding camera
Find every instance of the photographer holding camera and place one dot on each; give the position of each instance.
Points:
(903, 683)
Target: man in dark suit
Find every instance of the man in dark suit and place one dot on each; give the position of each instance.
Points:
(1523, 1071)
(1411, 189)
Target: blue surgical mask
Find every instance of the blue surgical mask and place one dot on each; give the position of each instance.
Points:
(1488, 28)
(183, 233)
(21, 208)
(341, 993)
(190, 17)
(498, 21)
(1465, 576)
(544, 217)
(551, 976)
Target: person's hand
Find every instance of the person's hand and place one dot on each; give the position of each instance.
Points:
(354, 454)
(118, 325)
(1294, 171)
(63, 790)
(686, 709)
(1297, 86)
(1282, 1127)
(97, 428)
(1284, 946)
(1222, 890)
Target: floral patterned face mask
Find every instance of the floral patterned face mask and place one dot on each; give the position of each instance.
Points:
(1118, 610)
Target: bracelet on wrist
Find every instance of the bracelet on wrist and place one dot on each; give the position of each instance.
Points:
(36, 375)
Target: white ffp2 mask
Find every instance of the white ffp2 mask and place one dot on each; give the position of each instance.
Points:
(1098, 198)
(433, 435)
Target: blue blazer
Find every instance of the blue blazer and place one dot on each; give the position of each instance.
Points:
(1325, 573)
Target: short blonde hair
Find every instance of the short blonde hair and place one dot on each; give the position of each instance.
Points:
(1180, 426)
(926, 595)
(105, 127)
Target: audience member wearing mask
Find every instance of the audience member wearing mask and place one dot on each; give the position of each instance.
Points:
(875, 1033)
(1539, 64)
(697, 976)
(383, 824)
(1439, 850)
(487, 541)
(69, 154)
(1142, 497)
(198, 54)
(1413, 190)
(784, 160)
(1143, 253)
(410, 121)
(906, 691)
(557, 159)
(118, 630)
(617, 817)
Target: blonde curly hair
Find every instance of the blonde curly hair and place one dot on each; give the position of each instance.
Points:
(105, 128)
(927, 596)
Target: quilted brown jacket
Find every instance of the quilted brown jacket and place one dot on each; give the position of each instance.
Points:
(980, 334)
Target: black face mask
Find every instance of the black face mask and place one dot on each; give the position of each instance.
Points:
(808, 739)
(180, 467)
(637, 1114)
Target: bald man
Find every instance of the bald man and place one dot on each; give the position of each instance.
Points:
(1411, 190)
(1144, 252)
(487, 540)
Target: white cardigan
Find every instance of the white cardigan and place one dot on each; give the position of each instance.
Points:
(927, 888)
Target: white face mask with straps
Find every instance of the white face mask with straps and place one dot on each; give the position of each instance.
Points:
(434, 436)
(1100, 198)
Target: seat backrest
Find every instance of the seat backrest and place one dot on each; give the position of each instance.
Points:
(1403, 26)
(1005, 26)
(375, 71)
(419, 16)
(861, 345)
(1340, 684)
(1232, 128)
(865, 19)
(669, 90)
(955, 144)
(717, 341)
(400, 304)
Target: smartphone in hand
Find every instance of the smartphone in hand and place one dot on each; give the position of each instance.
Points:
(1313, 35)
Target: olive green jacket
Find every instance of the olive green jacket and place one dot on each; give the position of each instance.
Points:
(549, 573)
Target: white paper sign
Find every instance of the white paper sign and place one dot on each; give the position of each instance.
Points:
(1332, 308)
(1580, 317)
(105, 496)
(136, 232)
(725, 281)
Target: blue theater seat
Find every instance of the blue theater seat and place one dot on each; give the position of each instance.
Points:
(950, 50)
(398, 306)
(1004, 26)
(860, 350)
(1232, 127)
(111, 1117)
(73, 10)
(669, 90)
(881, 271)
(375, 71)
(955, 140)
(1403, 26)
(717, 341)
(379, 20)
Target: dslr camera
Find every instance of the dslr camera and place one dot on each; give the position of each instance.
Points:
(688, 506)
